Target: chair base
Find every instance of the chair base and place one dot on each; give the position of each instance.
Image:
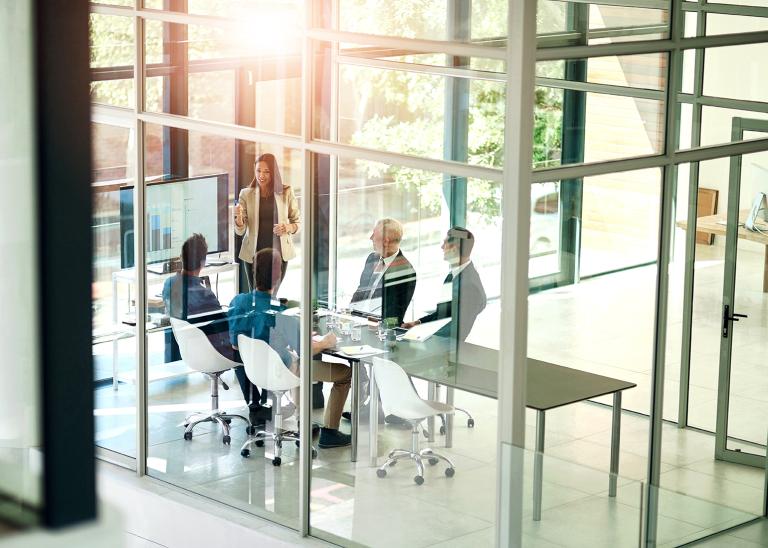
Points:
(215, 416)
(278, 436)
(274, 437)
(418, 458)
(470, 419)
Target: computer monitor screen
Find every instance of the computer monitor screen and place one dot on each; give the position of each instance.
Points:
(174, 211)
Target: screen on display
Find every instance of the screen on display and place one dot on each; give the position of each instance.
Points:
(174, 211)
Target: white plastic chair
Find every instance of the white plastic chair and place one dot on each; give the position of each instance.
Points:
(265, 368)
(199, 354)
(398, 397)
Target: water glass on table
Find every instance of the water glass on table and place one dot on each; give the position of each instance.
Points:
(356, 334)
(381, 330)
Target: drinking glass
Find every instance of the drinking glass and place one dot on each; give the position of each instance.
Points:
(381, 330)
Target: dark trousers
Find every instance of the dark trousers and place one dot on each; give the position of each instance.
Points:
(248, 267)
(251, 393)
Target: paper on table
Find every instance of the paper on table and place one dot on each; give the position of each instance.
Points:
(361, 350)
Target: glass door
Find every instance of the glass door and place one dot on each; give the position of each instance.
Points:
(742, 406)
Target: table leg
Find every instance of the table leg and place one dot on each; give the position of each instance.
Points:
(615, 439)
(431, 394)
(114, 342)
(449, 417)
(355, 407)
(538, 465)
(115, 353)
(373, 420)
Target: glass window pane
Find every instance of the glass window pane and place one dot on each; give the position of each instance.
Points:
(414, 202)
(423, 20)
(551, 16)
(619, 250)
(195, 195)
(600, 23)
(647, 71)
(611, 24)
(599, 127)
(609, 240)
(112, 58)
(199, 72)
(114, 346)
(717, 123)
(718, 23)
(116, 2)
(273, 15)
(736, 72)
(406, 112)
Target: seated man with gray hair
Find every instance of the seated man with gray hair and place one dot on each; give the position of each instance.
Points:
(388, 279)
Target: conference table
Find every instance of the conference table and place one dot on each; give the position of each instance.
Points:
(471, 368)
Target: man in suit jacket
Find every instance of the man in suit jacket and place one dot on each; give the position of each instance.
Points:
(463, 293)
(388, 279)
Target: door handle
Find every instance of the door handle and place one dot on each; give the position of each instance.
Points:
(727, 318)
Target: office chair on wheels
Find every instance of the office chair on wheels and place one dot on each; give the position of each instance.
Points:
(470, 419)
(265, 368)
(398, 397)
(199, 354)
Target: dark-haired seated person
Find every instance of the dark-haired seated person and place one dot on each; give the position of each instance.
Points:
(463, 296)
(187, 297)
(253, 314)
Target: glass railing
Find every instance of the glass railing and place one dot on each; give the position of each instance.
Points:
(576, 509)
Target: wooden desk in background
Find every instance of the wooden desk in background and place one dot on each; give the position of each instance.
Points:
(715, 224)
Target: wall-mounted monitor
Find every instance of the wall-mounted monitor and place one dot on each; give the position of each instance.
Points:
(175, 209)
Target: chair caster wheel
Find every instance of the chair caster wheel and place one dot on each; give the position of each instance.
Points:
(450, 472)
(259, 443)
(391, 464)
(298, 443)
(314, 453)
(245, 453)
(418, 479)
(433, 460)
(250, 430)
(227, 440)
(228, 421)
(187, 435)
(442, 430)
(426, 434)
(470, 423)
(277, 461)
(381, 473)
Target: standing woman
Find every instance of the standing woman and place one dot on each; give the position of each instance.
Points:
(267, 215)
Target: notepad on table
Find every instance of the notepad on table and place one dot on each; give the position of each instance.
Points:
(361, 350)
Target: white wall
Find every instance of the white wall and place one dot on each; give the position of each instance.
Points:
(19, 405)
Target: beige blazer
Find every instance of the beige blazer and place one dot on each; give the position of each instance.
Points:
(287, 212)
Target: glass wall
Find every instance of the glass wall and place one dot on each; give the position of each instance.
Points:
(366, 143)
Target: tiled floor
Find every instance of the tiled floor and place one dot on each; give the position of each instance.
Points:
(603, 325)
